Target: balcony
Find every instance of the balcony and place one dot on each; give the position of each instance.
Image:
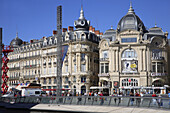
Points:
(30, 66)
(14, 60)
(14, 78)
(51, 53)
(103, 75)
(29, 77)
(159, 74)
(14, 68)
(157, 58)
(104, 59)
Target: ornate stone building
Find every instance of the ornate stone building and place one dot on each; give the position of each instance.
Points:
(132, 56)
(37, 61)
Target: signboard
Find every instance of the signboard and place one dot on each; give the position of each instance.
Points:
(116, 84)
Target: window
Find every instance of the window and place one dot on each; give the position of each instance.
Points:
(44, 70)
(83, 67)
(49, 80)
(82, 56)
(66, 80)
(105, 54)
(129, 53)
(158, 67)
(44, 82)
(129, 82)
(83, 36)
(154, 67)
(127, 40)
(49, 70)
(75, 67)
(74, 79)
(104, 67)
(83, 79)
(157, 54)
(55, 80)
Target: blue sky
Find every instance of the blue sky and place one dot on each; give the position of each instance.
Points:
(34, 19)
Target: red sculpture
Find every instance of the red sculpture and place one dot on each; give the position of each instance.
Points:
(5, 68)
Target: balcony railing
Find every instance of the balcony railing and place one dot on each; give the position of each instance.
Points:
(157, 58)
(14, 68)
(104, 59)
(14, 78)
(159, 74)
(30, 66)
(103, 75)
(29, 76)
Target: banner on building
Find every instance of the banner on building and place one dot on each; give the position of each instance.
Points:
(116, 84)
(64, 52)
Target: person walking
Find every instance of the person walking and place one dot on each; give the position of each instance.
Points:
(131, 99)
(169, 97)
(154, 100)
(102, 99)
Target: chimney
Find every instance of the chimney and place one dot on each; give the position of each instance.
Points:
(31, 41)
(93, 29)
(70, 28)
(97, 32)
(90, 28)
(101, 33)
(64, 29)
(54, 32)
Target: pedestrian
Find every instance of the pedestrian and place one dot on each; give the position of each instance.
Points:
(169, 97)
(154, 100)
(131, 99)
(142, 97)
(101, 98)
(160, 103)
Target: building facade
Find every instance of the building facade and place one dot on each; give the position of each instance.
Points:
(36, 62)
(132, 56)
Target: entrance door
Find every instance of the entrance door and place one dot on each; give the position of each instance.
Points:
(83, 89)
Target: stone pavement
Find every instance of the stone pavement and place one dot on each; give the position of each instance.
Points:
(96, 109)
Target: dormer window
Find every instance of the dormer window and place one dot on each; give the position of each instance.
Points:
(83, 36)
(50, 41)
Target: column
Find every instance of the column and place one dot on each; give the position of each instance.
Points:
(116, 69)
(148, 61)
(144, 60)
(141, 62)
(86, 59)
(110, 60)
(114, 61)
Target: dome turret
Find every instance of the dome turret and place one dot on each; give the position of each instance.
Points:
(16, 41)
(131, 21)
(82, 23)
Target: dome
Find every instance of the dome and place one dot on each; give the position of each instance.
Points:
(82, 23)
(156, 30)
(130, 21)
(16, 42)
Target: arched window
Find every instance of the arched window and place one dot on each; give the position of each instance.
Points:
(129, 53)
(129, 82)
